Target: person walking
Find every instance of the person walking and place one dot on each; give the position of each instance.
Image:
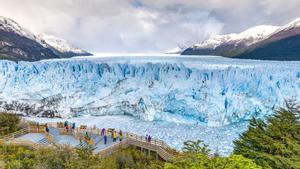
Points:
(47, 129)
(67, 128)
(105, 138)
(120, 135)
(73, 126)
(146, 138)
(66, 124)
(103, 132)
(114, 136)
(149, 139)
(37, 126)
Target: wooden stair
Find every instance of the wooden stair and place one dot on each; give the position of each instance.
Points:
(158, 146)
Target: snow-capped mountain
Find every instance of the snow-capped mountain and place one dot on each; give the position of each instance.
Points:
(247, 37)
(17, 43)
(176, 50)
(224, 45)
(179, 49)
(61, 45)
(283, 44)
(9, 25)
(260, 42)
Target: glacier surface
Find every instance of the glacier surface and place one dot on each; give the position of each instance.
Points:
(211, 91)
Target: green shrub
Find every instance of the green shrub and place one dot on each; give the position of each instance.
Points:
(202, 161)
(8, 123)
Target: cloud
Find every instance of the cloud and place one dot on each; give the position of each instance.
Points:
(144, 25)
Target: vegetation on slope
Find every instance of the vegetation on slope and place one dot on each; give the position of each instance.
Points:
(9, 123)
(64, 157)
(196, 156)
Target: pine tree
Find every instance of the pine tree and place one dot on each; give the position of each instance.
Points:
(274, 143)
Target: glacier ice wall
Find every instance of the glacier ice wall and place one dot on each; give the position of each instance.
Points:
(211, 92)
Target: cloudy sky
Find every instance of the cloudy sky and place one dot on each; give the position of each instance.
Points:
(144, 25)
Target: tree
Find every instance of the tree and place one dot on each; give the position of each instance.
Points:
(8, 123)
(197, 147)
(274, 143)
(196, 156)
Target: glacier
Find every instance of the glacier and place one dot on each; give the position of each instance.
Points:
(212, 91)
(205, 96)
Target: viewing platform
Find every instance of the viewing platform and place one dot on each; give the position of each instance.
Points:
(35, 135)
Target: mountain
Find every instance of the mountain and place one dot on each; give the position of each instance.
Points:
(260, 42)
(176, 50)
(17, 43)
(62, 46)
(224, 45)
(281, 45)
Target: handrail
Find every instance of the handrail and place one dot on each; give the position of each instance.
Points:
(157, 142)
(111, 149)
(159, 146)
(34, 145)
(13, 135)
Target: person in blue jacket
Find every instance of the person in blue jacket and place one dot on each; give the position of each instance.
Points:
(105, 138)
(73, 126)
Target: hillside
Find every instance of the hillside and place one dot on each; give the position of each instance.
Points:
(19, 44)
(260, 42)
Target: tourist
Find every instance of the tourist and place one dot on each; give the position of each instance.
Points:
(37, 126)
(105, 138)
(73, 126)
(47, 129)
(103, 131)
(66, 124)
(67, 128)
(87, 137)
(146, 138)
(120, 135)
(149, 139)
(114, 136)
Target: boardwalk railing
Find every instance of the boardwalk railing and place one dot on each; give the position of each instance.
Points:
(34, 145)
(129, 139)
(158, 146)
(13, 135)
(111, 149)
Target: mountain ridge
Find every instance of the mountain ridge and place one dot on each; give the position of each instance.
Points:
(272, 44)
(19, 44)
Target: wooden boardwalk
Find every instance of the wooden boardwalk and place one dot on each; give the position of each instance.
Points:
(160, 148)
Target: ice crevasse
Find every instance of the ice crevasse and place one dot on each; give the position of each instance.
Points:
(198, 92)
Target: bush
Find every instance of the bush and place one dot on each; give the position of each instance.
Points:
(9, 123)
(202, 161)
(196, 156)
(65, 157)
(195, 147)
